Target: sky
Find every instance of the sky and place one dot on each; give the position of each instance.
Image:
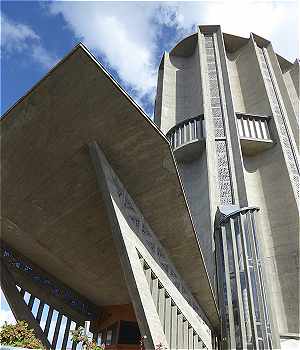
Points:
(128, 38)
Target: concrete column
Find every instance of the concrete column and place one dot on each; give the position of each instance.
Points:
(138, 287)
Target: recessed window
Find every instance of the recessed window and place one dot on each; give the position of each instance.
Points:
(129, 333)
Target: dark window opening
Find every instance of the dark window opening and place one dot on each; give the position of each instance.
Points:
(129, 333)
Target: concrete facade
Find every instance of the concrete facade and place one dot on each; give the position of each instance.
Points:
(185, 230)
(68, 242)
(247, 160)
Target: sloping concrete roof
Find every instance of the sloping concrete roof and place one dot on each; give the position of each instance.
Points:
(52, 211)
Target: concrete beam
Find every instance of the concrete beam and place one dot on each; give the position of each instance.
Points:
(44, 286)
(146, 314)
(18, 305)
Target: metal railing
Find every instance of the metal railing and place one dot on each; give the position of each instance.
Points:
(241, 291)
(187, 131)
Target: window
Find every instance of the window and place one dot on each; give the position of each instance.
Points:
(129, 333)
(100, 339)
(109, 335)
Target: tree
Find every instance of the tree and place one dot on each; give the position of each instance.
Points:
(19, 335)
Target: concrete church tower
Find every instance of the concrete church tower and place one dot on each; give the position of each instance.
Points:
(229, 106)
(101, 223)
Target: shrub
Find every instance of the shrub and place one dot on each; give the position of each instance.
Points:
(79, 336)
(19, 335)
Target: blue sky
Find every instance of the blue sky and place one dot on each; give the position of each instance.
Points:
(128, 38)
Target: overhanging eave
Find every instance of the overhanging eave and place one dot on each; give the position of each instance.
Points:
(50, 203)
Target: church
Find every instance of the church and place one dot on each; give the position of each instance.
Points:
(182, 231)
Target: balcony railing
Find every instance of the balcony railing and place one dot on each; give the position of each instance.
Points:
(254, 133)
(186, 137)
(187, 131)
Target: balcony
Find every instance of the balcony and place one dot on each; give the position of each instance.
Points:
(188, 138)
(254, 133)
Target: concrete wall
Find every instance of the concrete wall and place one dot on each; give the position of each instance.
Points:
(247, 85)
(195, 178)
(265, 175)
(238, 101)
(268, 188)
(291, 79)
(180, 97)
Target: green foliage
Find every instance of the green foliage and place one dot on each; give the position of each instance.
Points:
(79, 336)
(19, 335)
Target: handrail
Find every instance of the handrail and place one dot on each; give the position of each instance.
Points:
(250, 115)
(200, 116)
(236, 212)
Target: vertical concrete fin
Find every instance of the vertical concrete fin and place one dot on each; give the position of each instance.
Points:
(171, 313)
(156, 288)
(137, 283)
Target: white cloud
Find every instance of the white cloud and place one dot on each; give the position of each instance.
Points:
(124, 33)
(130, 35)
(277, 21)
(5, 313)
(6, 316)
(15, 35)
(21, 38)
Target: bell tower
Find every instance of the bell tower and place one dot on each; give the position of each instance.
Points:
(223, 102)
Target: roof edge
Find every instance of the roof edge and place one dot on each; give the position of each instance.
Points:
(69, 54)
